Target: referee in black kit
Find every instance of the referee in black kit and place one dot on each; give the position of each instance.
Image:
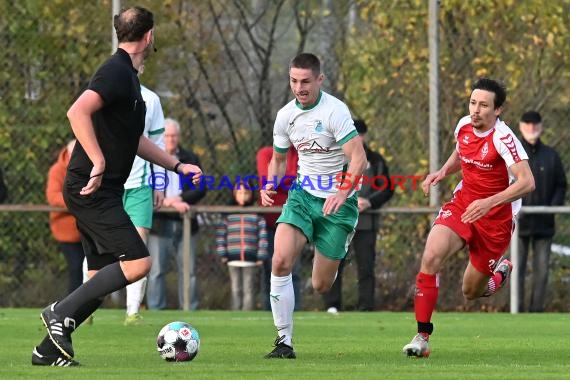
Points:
(108, 121)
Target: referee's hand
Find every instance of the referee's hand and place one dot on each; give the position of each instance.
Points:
(95, 179)
(188, 169)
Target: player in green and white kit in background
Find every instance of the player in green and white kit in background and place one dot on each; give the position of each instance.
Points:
(139, 198)
(319, 209)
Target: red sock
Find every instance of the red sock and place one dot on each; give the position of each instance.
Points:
(427, 289)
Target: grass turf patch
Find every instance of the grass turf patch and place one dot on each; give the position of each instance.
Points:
(344, 346)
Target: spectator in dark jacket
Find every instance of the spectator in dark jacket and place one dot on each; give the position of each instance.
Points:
(363, 246)
(538, 229)
(3, 189)
(165, 238)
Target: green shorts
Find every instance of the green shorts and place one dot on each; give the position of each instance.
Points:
(138, 204)
(331, 234)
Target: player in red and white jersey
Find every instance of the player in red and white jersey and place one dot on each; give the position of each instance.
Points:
(496, 175)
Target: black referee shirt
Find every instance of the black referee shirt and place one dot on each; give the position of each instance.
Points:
(118, 125)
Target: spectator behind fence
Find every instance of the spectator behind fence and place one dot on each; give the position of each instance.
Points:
(241, 242)
(62, 223)
(140, 198)
(165, 238)
(364, 241)
(538, 229)
(263, 157)
(3, 188)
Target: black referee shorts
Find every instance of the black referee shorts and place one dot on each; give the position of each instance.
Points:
(107, 233)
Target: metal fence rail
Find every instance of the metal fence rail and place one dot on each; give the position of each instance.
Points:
(514, 249)
(400, 213)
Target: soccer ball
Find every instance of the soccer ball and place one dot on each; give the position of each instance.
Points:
(178, 342)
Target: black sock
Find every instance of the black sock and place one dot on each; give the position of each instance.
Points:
(86, 310)
(424, 327)
(105, 281)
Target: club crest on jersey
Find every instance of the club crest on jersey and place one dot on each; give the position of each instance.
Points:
(319, 126)
(485, 150)
(465, 139)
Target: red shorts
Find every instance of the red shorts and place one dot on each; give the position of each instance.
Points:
(488, 238)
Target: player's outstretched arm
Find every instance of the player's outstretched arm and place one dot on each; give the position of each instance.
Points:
(524, 184)
(147, 150)
(451, 166)
(354, 151)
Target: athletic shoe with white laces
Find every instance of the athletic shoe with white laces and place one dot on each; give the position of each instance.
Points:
(281, 350)
(59, 330)
(52, 360)
(418, 347)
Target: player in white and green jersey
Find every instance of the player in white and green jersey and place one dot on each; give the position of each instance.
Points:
(318, 133)
(154, 130)
(139, 198)
(319, 208)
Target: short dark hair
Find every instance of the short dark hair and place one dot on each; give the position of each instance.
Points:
(360, 126)
(132, 23)
(246, 183)
(532, 117)
(306, 61)
(492, 86)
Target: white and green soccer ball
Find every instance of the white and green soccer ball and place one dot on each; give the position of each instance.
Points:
(178, 342)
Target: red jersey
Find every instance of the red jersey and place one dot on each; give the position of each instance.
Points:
(263, 157)
(485, 159)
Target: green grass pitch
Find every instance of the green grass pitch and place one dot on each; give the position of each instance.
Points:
(346, 346)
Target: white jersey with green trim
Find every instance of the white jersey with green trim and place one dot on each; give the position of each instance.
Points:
(154, 130)
(318, 133)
